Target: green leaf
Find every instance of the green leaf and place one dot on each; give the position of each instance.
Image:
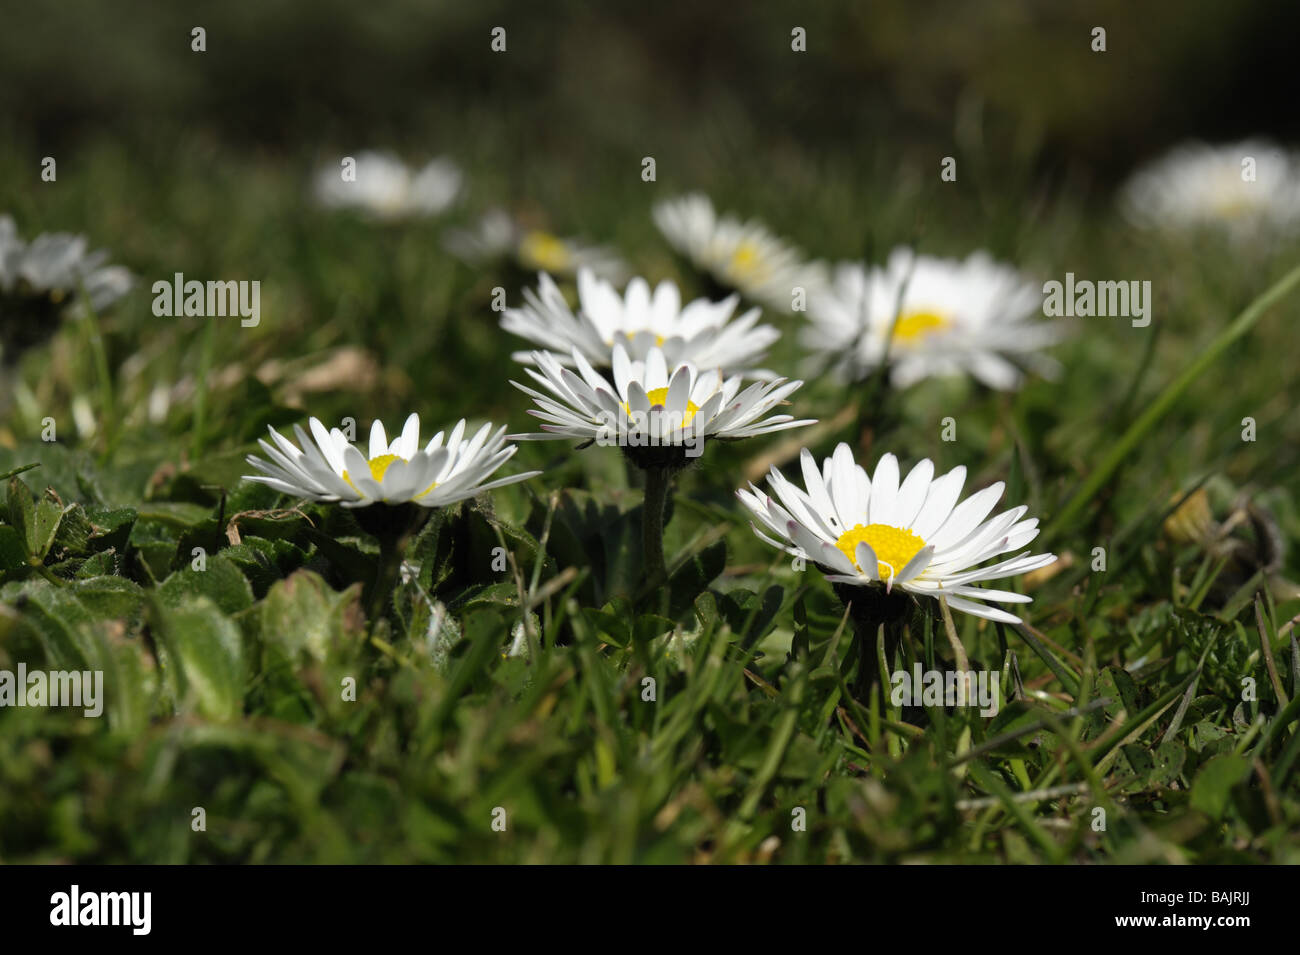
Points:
(302, 614)
(58, 619)
(109, 597)
(75, 532)
(693, 578)
(221, 582)
(22, 513)
(13, 550)
(263, 562)
(612, 624)
(111, 527)
(749, 617)
(1212, 790)
(177, 515)
(205, 650)
(45, 526)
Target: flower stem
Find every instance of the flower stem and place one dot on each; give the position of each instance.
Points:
(652, 523)
(390, 564)
(869, 608)
(201, 391)
(95, 340)
(394, 527)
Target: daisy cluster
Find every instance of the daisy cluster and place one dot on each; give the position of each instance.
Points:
(613, 359)
(648, 369)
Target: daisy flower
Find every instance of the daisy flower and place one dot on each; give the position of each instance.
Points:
(744, 256)
(930, 317)
(386, 188)
(659, 414)
(1198, 185)
(651, 404)
(498, 236)
(910, 534)
(55, 267)
(329, 468)
(40, 280)
(701, 332)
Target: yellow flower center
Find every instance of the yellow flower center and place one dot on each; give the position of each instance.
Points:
(912, 326)
(378, 466)
(659, 339)
(658, 396)
(1231, 207)
(893, 547)
(541, 250)
(745, 261)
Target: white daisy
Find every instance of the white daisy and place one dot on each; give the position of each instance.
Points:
(56, 267)
(744, 256)
(386, 188)
(1240, 187)
(330, 468)
(932, 317)
(650, 403)
(910, 534)
(700, 332)
(497, 236)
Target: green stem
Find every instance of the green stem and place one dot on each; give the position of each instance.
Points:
(394, 526)
(95, 340)
(201, 391)
(652, 523)
(390, 564)
(869, 608)
(1121, 449)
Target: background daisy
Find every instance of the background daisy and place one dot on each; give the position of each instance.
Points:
(930, 317)
(386, 188)
(701, 332)
(1240, 187)
(57, 266)
(740, 255)
(497, 235)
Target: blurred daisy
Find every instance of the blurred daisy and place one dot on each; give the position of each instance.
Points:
(650, 404)
(1239, 187)
(740, 255)
(700, 332)
(384, 187)
(497, 236)
(930, 317)
(330, 468)
(910, 534)
(54, 268)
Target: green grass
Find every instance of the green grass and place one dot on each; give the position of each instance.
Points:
(225, 686)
